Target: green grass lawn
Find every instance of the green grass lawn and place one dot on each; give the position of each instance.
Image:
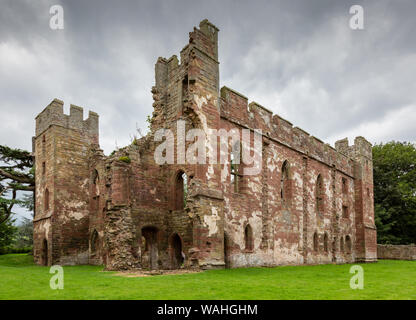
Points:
(21, 279)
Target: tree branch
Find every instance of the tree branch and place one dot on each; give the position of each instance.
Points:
(8, 210)
(18, 178)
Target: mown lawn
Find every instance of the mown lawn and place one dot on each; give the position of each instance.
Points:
(21, 279)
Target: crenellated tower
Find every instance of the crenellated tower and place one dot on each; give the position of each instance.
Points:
(62, 146)
(188, 90)
(365, 230)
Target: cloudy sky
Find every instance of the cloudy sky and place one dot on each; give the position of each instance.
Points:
(300, 59)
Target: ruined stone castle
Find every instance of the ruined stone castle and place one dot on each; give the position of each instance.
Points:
(310, 203)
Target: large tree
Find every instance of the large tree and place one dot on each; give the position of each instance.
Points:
(395, 192)
(17, 173)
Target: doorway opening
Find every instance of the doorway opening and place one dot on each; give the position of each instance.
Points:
(150, 249)
(177, 258)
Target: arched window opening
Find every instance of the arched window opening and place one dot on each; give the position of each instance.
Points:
(326, 248)
(284, 184)
(348, 244)
(235, 168)
(315, 242)
(46, 200)
(248, 238)
(94, 242)
(181, 190)
(341, 244)
(319, 195)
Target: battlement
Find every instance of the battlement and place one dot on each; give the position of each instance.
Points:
(235, 108)
(204, 40)
(361, 147)
(53, 114)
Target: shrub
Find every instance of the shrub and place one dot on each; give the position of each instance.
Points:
(8, 250)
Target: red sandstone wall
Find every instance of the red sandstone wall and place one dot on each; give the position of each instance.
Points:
(396, 252)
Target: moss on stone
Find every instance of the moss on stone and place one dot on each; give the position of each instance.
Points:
(125, 159)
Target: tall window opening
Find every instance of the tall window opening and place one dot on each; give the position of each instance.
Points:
(315, 242)
(185, 91)
(319, 195)
(94, 242)
(345, 213)
(46, 200)
(284, 184)
(181, 190)
(248, 238)
(326, 248)
(344, 186)
(95, 190)
(348, 244)
(45, 259)
(235, 169)
(44, 144)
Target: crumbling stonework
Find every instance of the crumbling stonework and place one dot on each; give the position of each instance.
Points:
(309, 204)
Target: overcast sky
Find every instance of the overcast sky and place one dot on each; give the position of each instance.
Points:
(300, 59)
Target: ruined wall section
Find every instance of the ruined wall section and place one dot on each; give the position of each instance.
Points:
(98, 186)
(396, 252)
(366, 233)
(188, 90)
(208, 212)
(235, 108)
(119, 228)
(308, 157)
(66, 166)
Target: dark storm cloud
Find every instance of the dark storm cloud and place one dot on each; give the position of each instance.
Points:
(298, 58)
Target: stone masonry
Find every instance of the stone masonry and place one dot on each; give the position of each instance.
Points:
(396, 252)
(310, 203)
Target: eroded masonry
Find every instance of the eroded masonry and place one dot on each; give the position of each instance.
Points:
(310, 204)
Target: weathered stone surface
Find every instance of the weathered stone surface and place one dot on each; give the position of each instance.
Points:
(396, 252)
(126, 211)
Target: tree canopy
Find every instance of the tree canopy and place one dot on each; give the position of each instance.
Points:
(395, 192)
(17, 173)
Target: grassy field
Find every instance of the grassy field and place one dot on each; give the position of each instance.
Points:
(21, 279)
